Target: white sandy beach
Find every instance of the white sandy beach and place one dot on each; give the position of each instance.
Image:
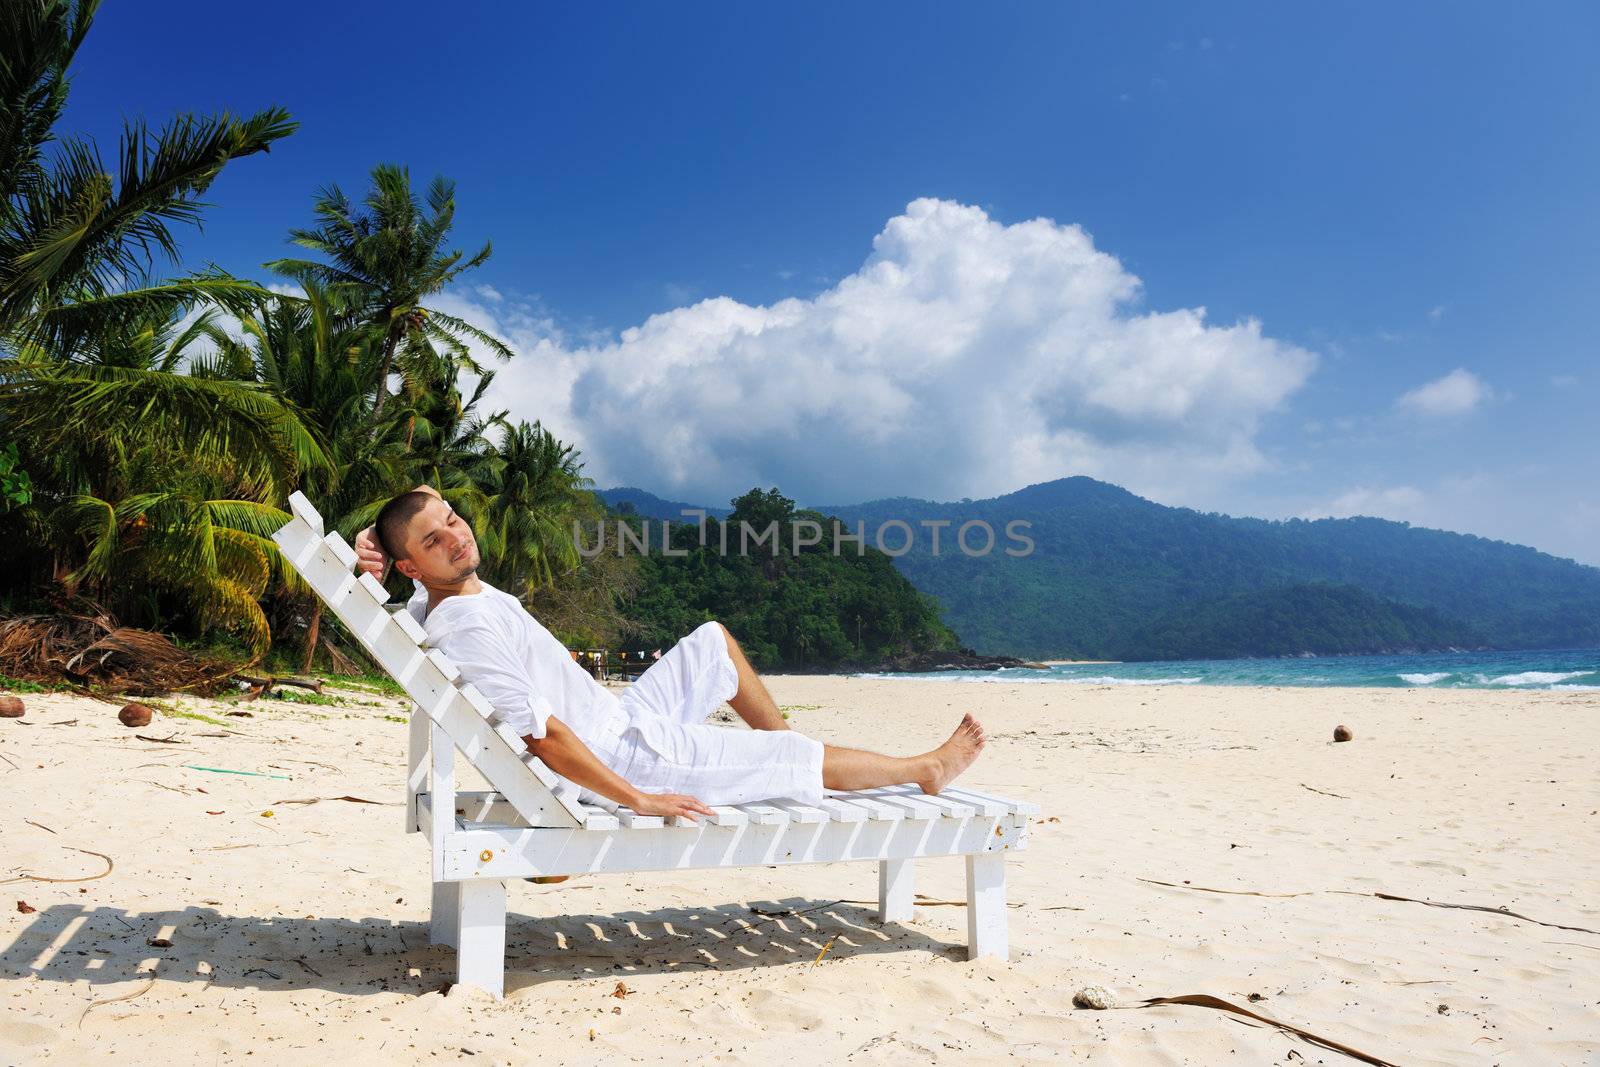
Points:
(301, 937)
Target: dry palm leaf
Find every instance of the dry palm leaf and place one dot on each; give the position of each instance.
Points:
(91, 651)
(28, 876)
(1205, 1000)
(1492, 910)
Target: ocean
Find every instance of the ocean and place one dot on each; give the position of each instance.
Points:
(1575, 670)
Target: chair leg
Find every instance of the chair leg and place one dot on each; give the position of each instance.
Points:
(894, 890)
(444, 919)
(481, 930)
(986, 905)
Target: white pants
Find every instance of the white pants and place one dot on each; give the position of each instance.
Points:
(668, 747)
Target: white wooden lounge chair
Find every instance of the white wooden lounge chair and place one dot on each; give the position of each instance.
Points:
(531, 824)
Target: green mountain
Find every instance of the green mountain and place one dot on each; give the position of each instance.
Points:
(1114, 576)
(1293, 619)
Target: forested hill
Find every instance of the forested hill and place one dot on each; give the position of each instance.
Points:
(632, 501)
(1115, 576)
(792, 607)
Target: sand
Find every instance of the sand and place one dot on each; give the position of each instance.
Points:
(300, 937)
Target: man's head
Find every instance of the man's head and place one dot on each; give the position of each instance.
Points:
(427, 540)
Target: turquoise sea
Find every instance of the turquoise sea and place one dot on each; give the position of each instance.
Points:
(1574, 670)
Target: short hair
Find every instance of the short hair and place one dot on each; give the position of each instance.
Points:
(395, 517)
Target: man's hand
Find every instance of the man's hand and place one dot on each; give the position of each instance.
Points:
(670, 804)
(370, 556)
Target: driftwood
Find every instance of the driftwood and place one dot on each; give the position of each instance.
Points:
(268, 682)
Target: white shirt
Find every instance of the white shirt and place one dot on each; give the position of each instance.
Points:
(517, 664)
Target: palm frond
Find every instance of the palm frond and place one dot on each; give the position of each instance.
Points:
(233, 421)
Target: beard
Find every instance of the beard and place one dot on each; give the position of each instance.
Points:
(469, 565)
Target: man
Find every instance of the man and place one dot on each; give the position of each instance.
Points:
(649, 749)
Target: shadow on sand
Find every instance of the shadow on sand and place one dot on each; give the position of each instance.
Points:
(70, 943)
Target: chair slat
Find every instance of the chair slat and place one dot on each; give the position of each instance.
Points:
(362, 594)
(913, 811)
(764, 814)
(303, 510)
(874, 809)
(370, 583)
(598, 819)
(987, 806)
(409, 625)
(839, 811)
(632, 820)
(726, 816)
(950, 807)
(1021, 807)
(509, 735)
(450, 671)
(804, 814)
(342, 551)
(482, 705)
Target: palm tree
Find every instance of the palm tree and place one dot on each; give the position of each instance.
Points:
(159, 488)
(534, 486)
(313, 355)
(385, 259)
(451, 444)
(78, 238)
(89, 345)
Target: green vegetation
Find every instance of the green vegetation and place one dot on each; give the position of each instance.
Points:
(1289, 620)
(175, 712)
(806, 609)
(372, 683)
(1114, 576)
(152, 428)
(17, 685)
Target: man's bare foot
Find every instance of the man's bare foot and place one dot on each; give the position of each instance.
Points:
(955, 755)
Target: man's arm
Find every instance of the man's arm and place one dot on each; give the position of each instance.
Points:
(565, 753)
(485, 658)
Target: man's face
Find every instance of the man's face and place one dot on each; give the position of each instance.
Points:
(442, 550)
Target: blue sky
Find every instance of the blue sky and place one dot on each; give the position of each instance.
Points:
(1401, 198)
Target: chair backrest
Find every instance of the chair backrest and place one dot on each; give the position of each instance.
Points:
(398, 644)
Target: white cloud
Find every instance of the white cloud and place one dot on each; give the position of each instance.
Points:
(964, 358)
(1455, 394)
(1436, 312)
(1400, 502)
